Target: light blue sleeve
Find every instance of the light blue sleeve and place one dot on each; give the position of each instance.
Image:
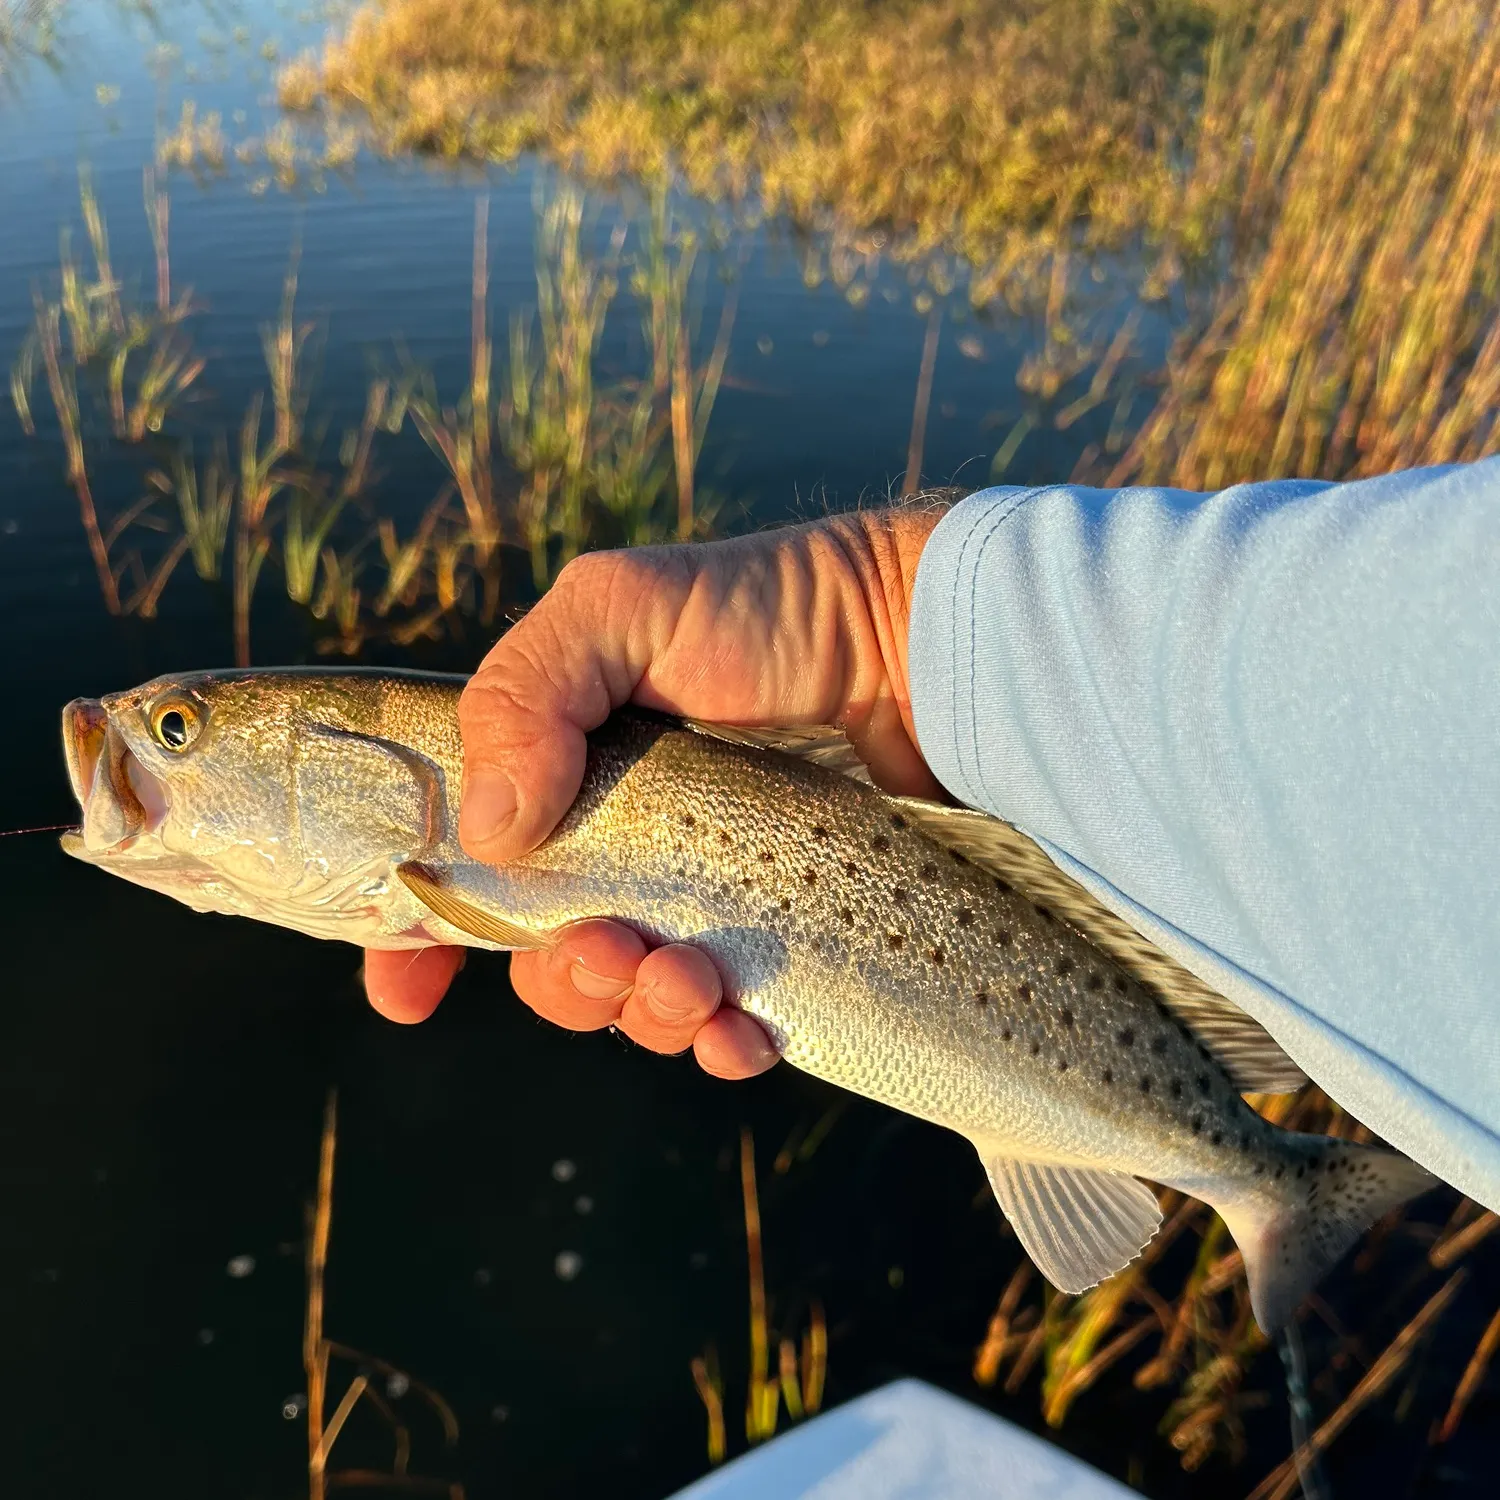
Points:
(1264, 726)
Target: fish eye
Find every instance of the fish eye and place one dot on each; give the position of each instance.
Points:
(174, 725)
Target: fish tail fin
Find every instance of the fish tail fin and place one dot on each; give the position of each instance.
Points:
(1327, 1194)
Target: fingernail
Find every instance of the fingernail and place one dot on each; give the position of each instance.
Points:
(664, 1010)
(489, 803)
(594, 986)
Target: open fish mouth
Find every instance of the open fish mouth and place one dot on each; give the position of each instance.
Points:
(120, 798)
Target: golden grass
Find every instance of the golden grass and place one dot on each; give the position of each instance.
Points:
(1010, 122)
(1332, 167)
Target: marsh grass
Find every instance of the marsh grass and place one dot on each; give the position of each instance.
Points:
(1185, 1324)
(795, 1383)
(319, 1352)
(1317, 179)
(554, 461)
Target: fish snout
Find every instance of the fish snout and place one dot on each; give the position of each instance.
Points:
(84, 728)
(120, 798)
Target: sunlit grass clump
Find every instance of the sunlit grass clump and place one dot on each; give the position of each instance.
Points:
(967, 126)
(1319, 179)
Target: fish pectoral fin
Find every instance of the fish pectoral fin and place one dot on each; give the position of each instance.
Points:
(399, 793)
(1247, 1051)
(454, 907)
(823, 744)
(1078, 1224)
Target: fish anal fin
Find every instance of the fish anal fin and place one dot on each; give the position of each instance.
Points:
(439, 897)
(821, 744)
(1079, 1224)
(1247, 1051)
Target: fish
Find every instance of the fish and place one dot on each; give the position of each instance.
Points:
(927, 956)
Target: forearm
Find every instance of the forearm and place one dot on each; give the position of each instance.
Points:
(1266, 718)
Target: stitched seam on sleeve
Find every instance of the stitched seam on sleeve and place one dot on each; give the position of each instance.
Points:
(979, 793)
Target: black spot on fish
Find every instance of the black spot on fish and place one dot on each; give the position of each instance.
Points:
(959, 857)
(1065, 967)
(1108, 1075)
(1067, 1016)
(1196, 1124)
(725, 837)
(1044, 914)
(965, 917)
(1035, 1048)
(899, 896)
(1062, 1065)
(929, 871)
(1217, 1138)
(689, 821)
(1204, 1053)
(1002, 886)
(894, 939)
(1024, 991)
(1177, 1088)
(1158, 1045)
(1125, 1036)
(747, 882)
(1300, 1171)
(897, 822)
(1095, 980)
(766, 856)
(1121, 984)
(810, 876)
(846, 916)
(880, 843)
(819, 832)
(1280, 1172)
(1005, 1033)
(1260, 1167)
(1003, 938)
(850, 868)
(937, 955)
(1145, 1083)
(1204, 1085)
(981, 998)
(786, 903)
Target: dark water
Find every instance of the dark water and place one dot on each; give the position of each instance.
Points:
(162, 1074)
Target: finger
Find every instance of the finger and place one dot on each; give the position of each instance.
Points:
(584, 980)
(406, 985)
(559, 673)
(734, 1045)
(677, 989)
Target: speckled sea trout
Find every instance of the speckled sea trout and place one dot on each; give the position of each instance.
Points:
(926, 956)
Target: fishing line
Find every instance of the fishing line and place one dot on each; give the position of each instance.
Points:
(1309, 1472)
(10, 833)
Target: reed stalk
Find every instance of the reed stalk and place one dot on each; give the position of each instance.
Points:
(64, 393)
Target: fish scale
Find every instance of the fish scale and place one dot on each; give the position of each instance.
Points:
(927, 957)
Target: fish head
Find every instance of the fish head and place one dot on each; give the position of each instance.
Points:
(186, 771)
(287, 796)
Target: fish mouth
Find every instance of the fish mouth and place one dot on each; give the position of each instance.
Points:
(121, 800)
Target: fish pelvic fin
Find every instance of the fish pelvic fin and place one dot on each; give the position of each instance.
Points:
(437, 893)
(1329, 1194)
(1079, 1224)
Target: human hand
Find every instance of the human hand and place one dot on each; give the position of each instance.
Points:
(806, 625)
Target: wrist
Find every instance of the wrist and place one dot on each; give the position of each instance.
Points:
(895, 538)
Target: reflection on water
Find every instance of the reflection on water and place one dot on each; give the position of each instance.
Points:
(279, 398)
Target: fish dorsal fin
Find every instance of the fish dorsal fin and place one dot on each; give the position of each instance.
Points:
(822, 744)
(440, 897)
(1077, 1223)
(1247, 1052)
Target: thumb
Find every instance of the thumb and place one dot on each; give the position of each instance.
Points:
(559, 673)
